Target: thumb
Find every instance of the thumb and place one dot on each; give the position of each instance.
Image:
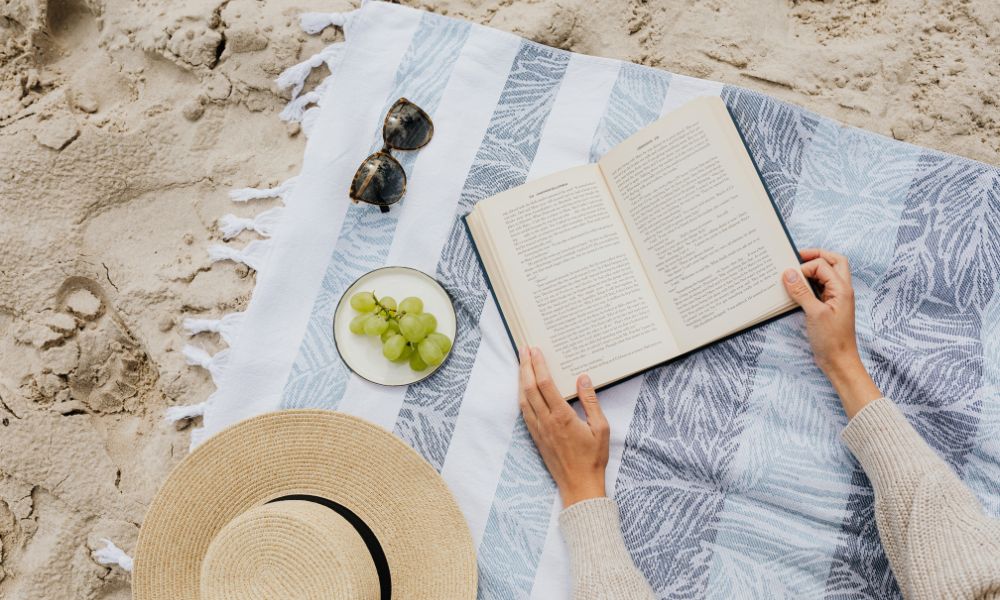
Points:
(591, 406)
(798, 288)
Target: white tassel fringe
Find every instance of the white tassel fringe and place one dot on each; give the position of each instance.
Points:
(214, 363)
(113, 555)
(244, 194)
(264, 223)
(177, 413)
(293, 110)
(313, 23)
(295, 75)
(252, 255)
(197, 356)
(226, 327)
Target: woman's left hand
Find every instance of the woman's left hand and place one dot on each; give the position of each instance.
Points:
(575, 451)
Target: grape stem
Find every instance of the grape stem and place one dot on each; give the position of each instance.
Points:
(389, 312)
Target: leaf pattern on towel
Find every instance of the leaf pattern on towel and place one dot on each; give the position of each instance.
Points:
(318, 377)
(427, 417)
(776, 134)
(675, 469)
(518, 521)
(635, 102)
(677, 463)
(927, 345)
(785, 509)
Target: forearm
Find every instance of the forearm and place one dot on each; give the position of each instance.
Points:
(601, 565)
(854, 385)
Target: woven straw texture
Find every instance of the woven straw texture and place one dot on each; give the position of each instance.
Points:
(225, 482)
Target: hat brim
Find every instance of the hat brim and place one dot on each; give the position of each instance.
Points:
(352, 462)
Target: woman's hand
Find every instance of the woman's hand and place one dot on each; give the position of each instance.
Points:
(575, 451)
(830, 325)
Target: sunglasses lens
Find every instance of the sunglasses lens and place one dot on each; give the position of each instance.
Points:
(407, 127)
(380, 180)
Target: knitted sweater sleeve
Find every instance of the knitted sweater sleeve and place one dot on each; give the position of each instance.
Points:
(937, 539)
(601, 565)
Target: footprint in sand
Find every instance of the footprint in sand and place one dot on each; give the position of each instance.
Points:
(92, 362)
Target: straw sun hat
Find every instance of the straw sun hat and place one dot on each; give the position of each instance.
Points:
(304, 504)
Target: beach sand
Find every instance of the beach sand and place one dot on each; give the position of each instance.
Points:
(123, 125)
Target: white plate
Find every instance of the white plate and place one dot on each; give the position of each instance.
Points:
(363, 353)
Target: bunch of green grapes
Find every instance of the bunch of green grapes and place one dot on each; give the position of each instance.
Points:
(408, 333)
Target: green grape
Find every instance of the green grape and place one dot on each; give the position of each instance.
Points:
(411, 328)
(388, 302)
(388, 333)
(417, 363)
(363, 302)
(429, 321)
(358, 323)
(411, 305)
(430, 352)
(407, 352)
(393, 347)
(376, 325)
(393, 326)
(441, 340)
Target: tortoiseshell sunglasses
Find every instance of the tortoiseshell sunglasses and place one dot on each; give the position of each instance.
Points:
(380, 180)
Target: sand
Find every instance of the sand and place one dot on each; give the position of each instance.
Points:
(123, 124)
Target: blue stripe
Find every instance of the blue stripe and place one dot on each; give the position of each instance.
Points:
(635, 102)
(318, 377)
(677, 466)
(926, 347)
(519, 517)
(429, 411)
(785, 509)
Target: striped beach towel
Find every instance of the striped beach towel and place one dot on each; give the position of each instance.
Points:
(727, 467)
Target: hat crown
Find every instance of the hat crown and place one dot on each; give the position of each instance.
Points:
(288, 549)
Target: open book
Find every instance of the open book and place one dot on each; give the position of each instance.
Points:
(669, 243)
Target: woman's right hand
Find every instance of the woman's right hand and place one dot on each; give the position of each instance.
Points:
(830, 325)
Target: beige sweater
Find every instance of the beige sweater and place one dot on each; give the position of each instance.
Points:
(938, 540)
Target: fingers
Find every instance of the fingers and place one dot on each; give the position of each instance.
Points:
(591, 406)
(529, 398)
(834, 286)
(798, 289)
(543, 379)
(839, 262)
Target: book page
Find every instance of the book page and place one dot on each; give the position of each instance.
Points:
(573, 279)
(702, 222)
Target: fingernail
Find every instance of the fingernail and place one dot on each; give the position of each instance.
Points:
(791, 275)
(585, 381)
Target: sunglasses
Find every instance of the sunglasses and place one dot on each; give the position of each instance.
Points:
(380, 180)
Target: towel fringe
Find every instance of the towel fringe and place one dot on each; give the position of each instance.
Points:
(197, 356)
(294, 110)
(281, 191)
(227, 326)
(295, 76)
(313, 23)
(178, 413)
(112, 555)
(213, 363)
(252, 255)
(231, 226)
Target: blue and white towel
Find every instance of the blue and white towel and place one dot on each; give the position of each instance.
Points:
(727, 466)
